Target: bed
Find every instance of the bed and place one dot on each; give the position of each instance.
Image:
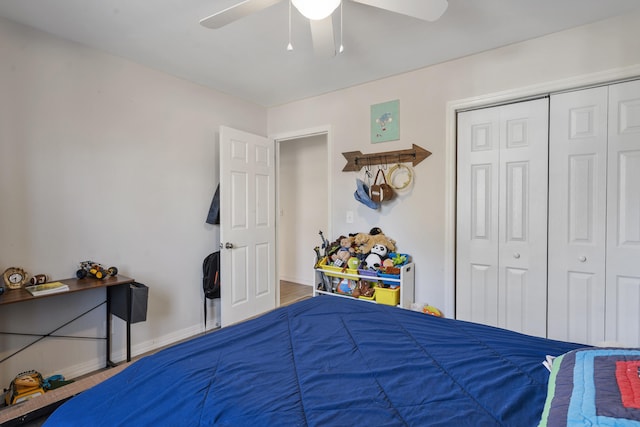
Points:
(330, 361)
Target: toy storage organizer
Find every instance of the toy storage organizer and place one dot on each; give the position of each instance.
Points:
(401, 288)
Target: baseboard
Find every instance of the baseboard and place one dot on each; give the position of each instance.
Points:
(137, 349)
(160, 342)
(299, 280)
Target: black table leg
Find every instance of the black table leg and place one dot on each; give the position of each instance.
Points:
(128, 316)
(109, 363)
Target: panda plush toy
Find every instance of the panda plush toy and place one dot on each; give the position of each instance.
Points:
(378, 253)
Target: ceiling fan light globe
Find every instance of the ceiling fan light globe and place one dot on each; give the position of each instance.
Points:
(316, 9)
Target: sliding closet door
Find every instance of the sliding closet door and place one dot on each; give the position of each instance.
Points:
(501, 263)
(623, 215)
(577, 212)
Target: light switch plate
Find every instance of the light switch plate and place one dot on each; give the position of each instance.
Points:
(349, 217)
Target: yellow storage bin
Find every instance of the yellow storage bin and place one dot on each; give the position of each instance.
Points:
(334, 271)
(388, 296)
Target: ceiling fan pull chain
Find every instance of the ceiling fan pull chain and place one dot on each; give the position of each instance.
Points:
(289, 46)
(341, 49)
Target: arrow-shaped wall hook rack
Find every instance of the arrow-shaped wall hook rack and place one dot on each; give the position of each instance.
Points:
(356, 160)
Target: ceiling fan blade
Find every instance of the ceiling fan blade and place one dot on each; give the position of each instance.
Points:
(427, 10)
(235, 12)
(324, 44)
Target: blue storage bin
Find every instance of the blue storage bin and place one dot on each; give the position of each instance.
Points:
(389, 276)
(407, 257)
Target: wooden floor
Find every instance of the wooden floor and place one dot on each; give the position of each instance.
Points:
(33, 413)
(291, 292)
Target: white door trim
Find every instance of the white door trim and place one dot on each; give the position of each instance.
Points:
(297, 134)
(511, 95)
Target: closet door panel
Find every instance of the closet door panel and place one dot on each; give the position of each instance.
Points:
(516, 297)
(482, 301)
(581, 304)
(577, 215)
(623, 213)
(623, 318)
(502, 212)
(628, 209)
(477, 228)
(523, 217)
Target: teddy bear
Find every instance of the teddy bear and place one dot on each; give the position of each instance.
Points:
(365, 241)
(360, 240)
(381, 245)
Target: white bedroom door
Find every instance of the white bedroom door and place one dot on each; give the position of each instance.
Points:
(501, 263)
(247, 225)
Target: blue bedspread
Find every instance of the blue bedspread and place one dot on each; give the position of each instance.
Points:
(330, 361)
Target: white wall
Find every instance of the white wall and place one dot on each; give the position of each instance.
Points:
(303, 194)
(103, 159)
(418, 219)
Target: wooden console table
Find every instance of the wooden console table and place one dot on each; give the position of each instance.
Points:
(14, 296)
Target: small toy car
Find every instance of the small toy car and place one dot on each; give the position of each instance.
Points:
(93, 269)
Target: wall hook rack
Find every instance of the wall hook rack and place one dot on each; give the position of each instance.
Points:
(356, 160)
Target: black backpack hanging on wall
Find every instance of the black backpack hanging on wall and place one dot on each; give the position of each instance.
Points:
(211, 275)
(210, 279)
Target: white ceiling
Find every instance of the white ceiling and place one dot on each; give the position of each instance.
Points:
(248, 58)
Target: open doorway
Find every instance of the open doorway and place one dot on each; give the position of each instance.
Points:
(303, 210)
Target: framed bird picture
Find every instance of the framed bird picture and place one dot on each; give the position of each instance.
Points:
(385, 121)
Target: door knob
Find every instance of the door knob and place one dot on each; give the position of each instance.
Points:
(228, 245)
(582, 258)
(516, 255)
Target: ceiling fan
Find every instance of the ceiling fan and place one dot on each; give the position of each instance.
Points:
(319, 14)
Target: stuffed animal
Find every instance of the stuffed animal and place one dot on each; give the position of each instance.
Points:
(346, 250)
(375, 231)
(381, 246)
(363, 289)
(373, 261)
(360, 240)
(365, 241)
(333, 247)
